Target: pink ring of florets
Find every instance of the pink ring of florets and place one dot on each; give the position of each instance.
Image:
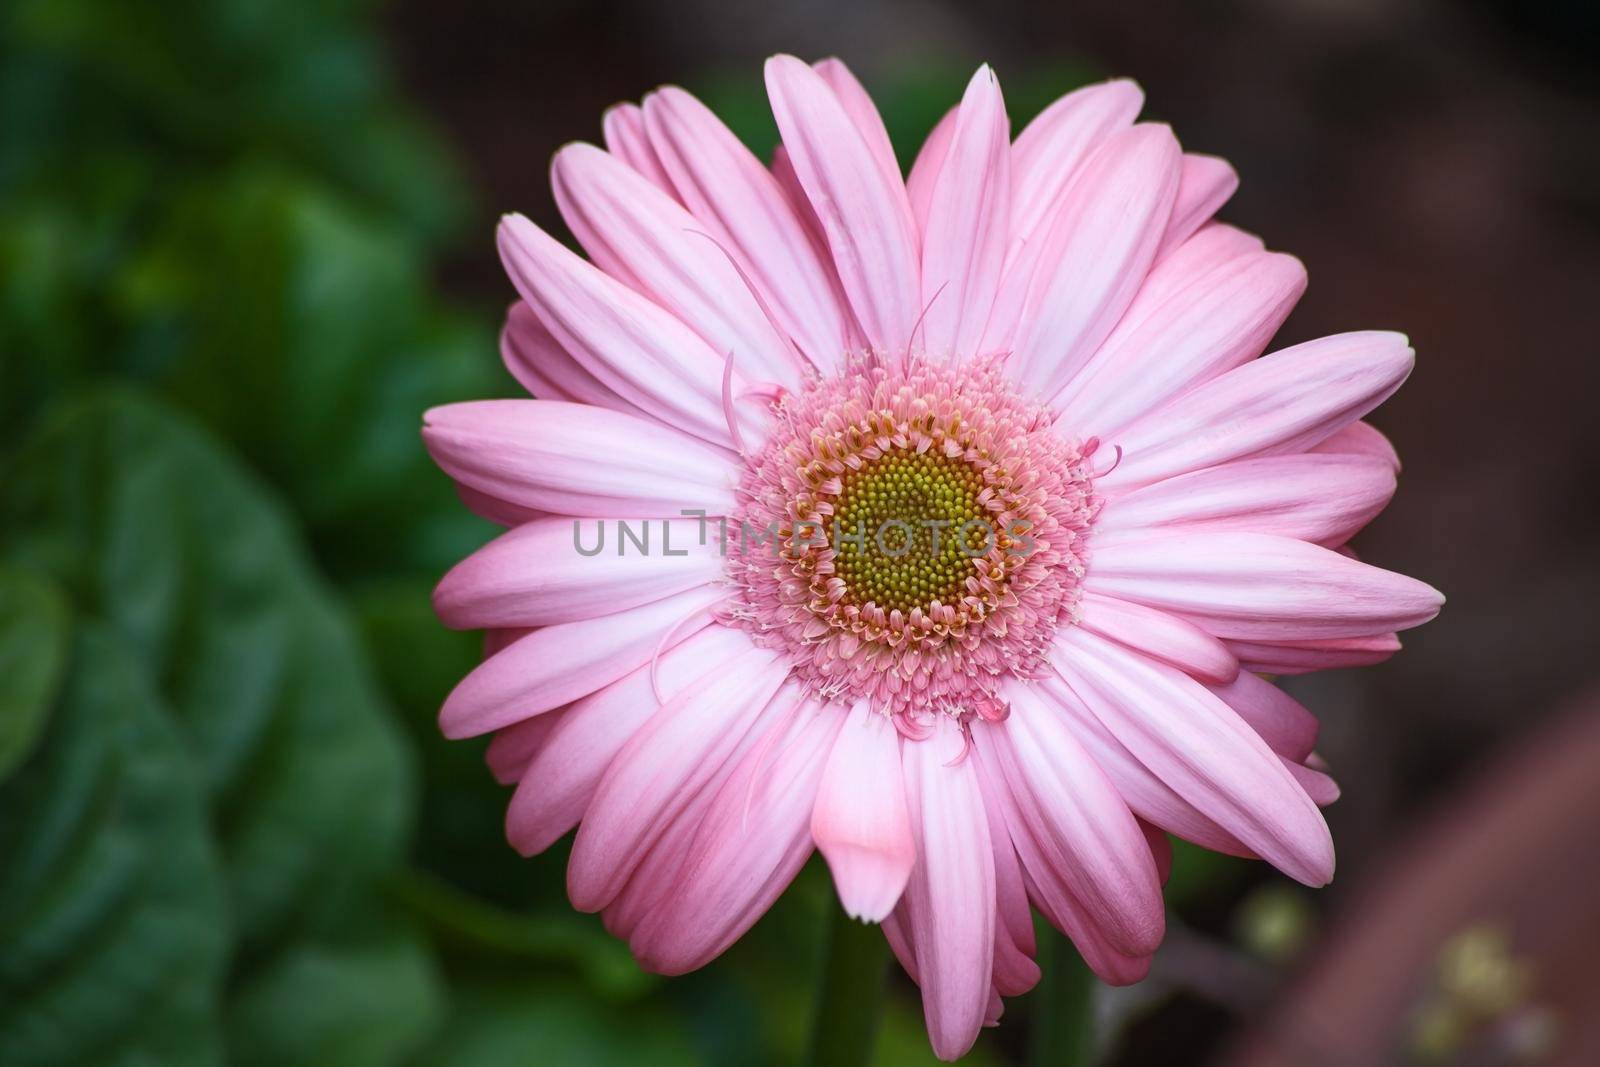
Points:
(1002, 603)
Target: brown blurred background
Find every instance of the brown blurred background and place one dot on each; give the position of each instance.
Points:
(1436, 166)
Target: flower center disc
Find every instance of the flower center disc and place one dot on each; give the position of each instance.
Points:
(907, 528)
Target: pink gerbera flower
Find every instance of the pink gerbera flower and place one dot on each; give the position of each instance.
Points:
(1003, 519)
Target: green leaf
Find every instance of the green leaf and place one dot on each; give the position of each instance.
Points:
(461, 812)
(164, 537)
(33, 652)
(300, 82)
(241, 218)
(364, 998)
(512, 1024)
(167, 539)
(563, 938)
(321, 376)
(112, 919)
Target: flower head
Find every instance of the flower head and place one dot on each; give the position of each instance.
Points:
(944, 525)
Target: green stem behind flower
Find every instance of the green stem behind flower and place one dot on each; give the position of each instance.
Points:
(1062, 1008)
(850, 994)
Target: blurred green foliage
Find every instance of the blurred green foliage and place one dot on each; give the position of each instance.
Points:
(34, 631)
(216, 339)
(229, 831)
(113, 910)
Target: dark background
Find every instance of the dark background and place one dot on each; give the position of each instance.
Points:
(245, 243)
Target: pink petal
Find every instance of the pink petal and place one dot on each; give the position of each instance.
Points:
(1052, 897)
(861, 823)
(1015, 971)
(1198, 746)
(925, 169)
(627, 342)
(1204, 185)
(1216, 322)
(789, 182)
(1319, 497)
(1281, 720)
(995, 1009)
(655, 880)
(548, 371)
(1047, 157)
(640, 235)
(1095, 256)
(652, 880)
(1258, 587)
(1281, 403)
(865, 215)
(1110, 966)
(512, 749)
(896, 932)
(661, 767)
(857, 103)
(1088, 835)
(574, 459)
(1212, 246)
(950, 900)
(1166, 637)
(502, 512)
(526, 349)
(534, 575)
(1052, 148)
(497, 641)
(1321, 788)
(741, 204)
(1160, 849)
(753, 841)
(560, 780)
(1361, 439)
(628, 140)
(558, 664)
(1146, 795)
(1304, 657)
(967, 224)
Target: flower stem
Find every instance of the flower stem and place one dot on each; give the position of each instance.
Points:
(850, 994)
(1062, 1026)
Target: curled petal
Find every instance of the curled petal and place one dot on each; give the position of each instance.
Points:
(860, 822)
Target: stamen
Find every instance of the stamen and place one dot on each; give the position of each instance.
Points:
(769, 390)
(930, 535)
(661, 646)
(1115, 463)
(909, 730)
(727, 404)
(923, 314)
(772, 320)
(966, 745)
